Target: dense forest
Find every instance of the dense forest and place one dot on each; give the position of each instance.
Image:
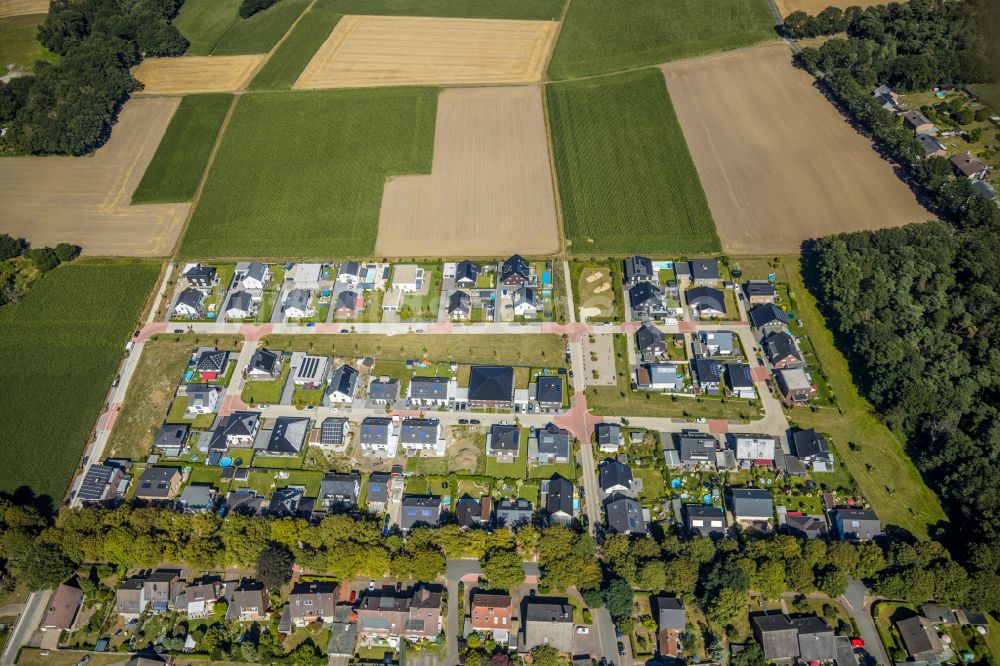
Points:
(68, 108)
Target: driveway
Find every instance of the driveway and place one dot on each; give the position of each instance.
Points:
(856, 604)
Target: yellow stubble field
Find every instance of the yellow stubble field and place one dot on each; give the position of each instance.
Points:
(196, 74)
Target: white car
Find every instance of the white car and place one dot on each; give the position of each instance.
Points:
(583, 630)
(701, 420)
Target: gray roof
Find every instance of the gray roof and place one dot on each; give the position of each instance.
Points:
(810, 444)
(95, 482)
(650, 337)
(467, 271)
(155, 481)
(265, 360)
(459, 301)
(929, 143)
(347, 300)
(611, 473)
(625, 515)
(705, 269)
(212, 360)
(638, 268)
(170, 435)
(297, 298)
(378, 487)
(608, 434)
(671, 613)
(344, 381)
(919, 636)
(198, 271)
(767, 314)
(706, 297)
(706, 372)
(491, 383)
(505, 437)
(191, 297)
(237, 424)
(549, 390)
(780, 345)
(697, 448)
(752, 503)
(384, 390)
(550, 610)
(810, 527)
(349, 268)
(857, 524)
(419, 509)
(256, 270)
(645, 295)
(553, 441)
(705, 514)
(429, 388)
(513, 512)
(375, 429)
(197, 496)
(241, 300)
(419, 431)
(243, 501)
(288, 436)
(525, 294)
(739, 375)
(560, 496)
(342, 488)
(285, 501)
(760, 288)
(331, 432)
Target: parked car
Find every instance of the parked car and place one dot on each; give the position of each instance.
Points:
(344, 330)
(475, 421)
(178, 330)
(621, 649)
(857, 642)
(354, 596)
(618, 634)
(463, 421)
(582, 630)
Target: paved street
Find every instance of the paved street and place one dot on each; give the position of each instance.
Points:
(29, 620)
(856, 603)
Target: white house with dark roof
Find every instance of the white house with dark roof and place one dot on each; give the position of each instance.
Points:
(547, 391)
(236, 430)
(650, 341)
(706, 302)
(637, 269)
(768, 318)
(288, 436)
(202, 277)
(349, 273)
(298, 304)
(170, 439)
(254, 275)
(202, 399)
(614, 477)
(264, 364)
(240, 306)
(467, 273)
(431, 391)
(503, 442)
(647, 301)
(343, 385)
(812, 449)
(550, 444)
(856, 524)
(705, 271)
(609, 437)
(189, 304)
(383, 390)
(421, 435)
(339, 491)
(526, 302)
(751, 506)
(377, 436)
(740, 381)
(625, 515)
(459, 305)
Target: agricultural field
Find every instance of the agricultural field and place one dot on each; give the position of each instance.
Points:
(214, 27)
(176, 169)
(67, 336)
(23, 7)
(600, 36)
(371, 51)
(490, 188)
(770, 190)
(786, 7)
(287, 62)
(301, 174)
(19, 43)
(626, 179)
(196, 74)
(530, 10)
(85, 200)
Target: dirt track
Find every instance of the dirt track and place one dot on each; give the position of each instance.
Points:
(786, 7)
(85, 200)
(778, 162)
(19, 7)
(365, 51)
(196, 74)
(490, 189)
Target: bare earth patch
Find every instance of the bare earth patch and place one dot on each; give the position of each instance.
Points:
(778, 162)
(197, 74)
(85, 200)
(19, 7)
(365, 51)
(786, 7)
(490, 188)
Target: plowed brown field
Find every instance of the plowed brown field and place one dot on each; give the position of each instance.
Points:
(366, 51)
(85, 200)
(19, 7)
(786, 7)
(778, 162)
(197, 74)
(490, 189)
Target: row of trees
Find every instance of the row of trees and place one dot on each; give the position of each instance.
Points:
(68, 108)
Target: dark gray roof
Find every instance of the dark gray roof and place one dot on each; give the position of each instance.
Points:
(347, 300)
(560, 496)
(515, 266)
(331, 432)
(212, 361)
(95, 482)
(288, 436)
(645, 295)
(816, 639)
(671, 613)
(378, 487)
(525, 294)
(384, 390)
(170, 435)
(861, 524)
(491, 383)
(625, 515)
(286, 501)
(237, 424)
(608, 433)
(751, 503)
(419, 509)
(760, 288)
(778, 637)
(810, 444)
(191, 297)
(468, 511)
(342, 488)
(650, 337)
(241, 300)
(344, 380)
(429, 388)
(553, 441)
(638, 268)
(297, 298)
(705, 514)
(548, 610)
(200, 272)
(459, 301)
(739, 375)
(243, 501)
(706, 297)
(467, 271)
(265, 360)
(767, 314)
(375, 429)
(513, 512)
(697, 448)
(705, 269)
(549, 390)
(780, 345)
(505, 437)
(706, 371)
(197, 496)
(810, 527)
(349, 268)
(419, 431)
(155, 481)
(256, 270)
(611, 473)
(919, 636)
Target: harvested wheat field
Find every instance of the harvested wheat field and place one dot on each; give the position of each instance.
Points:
(85, 200)
(366, 51)
(20, 7)
(778, 163)
(489, 192)
(786, 7)
(197, 74)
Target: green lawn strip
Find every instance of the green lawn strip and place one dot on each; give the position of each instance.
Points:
(536, 10)
(301, 174)
(260, 481)
(176, 169)
(19, 42)
(203, 475)
(427, 466)
(626, 179)
(652, 484)
(260, 32)
(512, 470)
(567, 470)
(530, 491)
(65, 340)
(287, 63)
(310, 480)
(278, 462)
(261, 392)
(203, 22)
(599, 36)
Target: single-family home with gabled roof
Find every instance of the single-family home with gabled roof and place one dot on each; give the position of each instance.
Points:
(419, 510)
(740, 381)
(609, 437)
(515, 271)
(614, 476)
(548, 445)
(920, 639)
(198, 600)
(420, 434)
(189, 304)
(970, 166)
(931, 146)
(413, 613)
(939, 615)
(650, 341)
(298, 304)
(557, 499)
(636, 270)
(212, 363)
(718, 343)
(62, 609)
(548, 392)
(705, 271)
(811, 447)
(886, 98)
(808, 527)
(197, 498)
(697, 449)
(707, 375)
(377, 436)
(378, 491)
(784, 639)
(240, 306)
(671, 623)
(795, 384)
(170, 439)
(526, 302)
(751, 506)
(646, 300)
(471, 512)
(768, 318)
(706, 302)
(264, 364)
(249, 602)
(308, 602)
(659, 377)
(288, 437)
(255, 276)
(492, 613)
(383, 391)
(856, 524)
(459, 304)
(513, 513)
(704, 520)
(343, 385)
(333, 432)
(503, 442)
(753, 448)
(760, 291)
(339, 491)
(243, 501)
(491, 387)
(287, 502)
(158, 483)
(101, 483)
(781, 350)
(548, 621)
(346, 304)
(624, 515)
(430, 391)
(203, 277)
(310, 371)
(238, 429)
(349, 273)
(467, 273)
(917, 122)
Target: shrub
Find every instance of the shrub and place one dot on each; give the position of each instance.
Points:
(250, 7)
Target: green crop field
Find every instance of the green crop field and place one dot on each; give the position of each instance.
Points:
(214, 27)
(19, 42)
(300, 174)
(534, 10)
(63, 342)
(600, 36)
(285, 65)
(626, 179)
(180, 159)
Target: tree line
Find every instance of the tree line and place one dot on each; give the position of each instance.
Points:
(69, 108)
(14, 278)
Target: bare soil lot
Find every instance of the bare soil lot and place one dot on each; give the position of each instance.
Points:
(85, 200)
(19, 7)
(778, 162)
(197, 74)
(490, 188)
(365, 51)
(786, 7)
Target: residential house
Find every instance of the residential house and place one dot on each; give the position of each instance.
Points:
(339, 492)
(550, 444)
(707, 376)
(459, 305)
(431, 391)
(64, 604)
(203, 277)
(243, 501)
(785, 639)
(419, 510)
(614, 476)
(471, 512)
(705, 271)
(557, 499)
(350, 273)
(659, 377)
(503, 442)
(547, 391)
(298, 304)
(383, 391)
(255, 276)
(288, 502)
(101, 483)
(697, 449)
(155, 590)
(420, 434)
(932, 147)
(636, 270)
(812, 448)
(921, 639)
(305, 276)
(984, 190)
(377, 497)
(343, 385)
(887, 98)
(347, 304)
(782, 351)
(939, 615)
(704, 520)
(249, 602)
(671, 623)
(310, 371)
(760, 291)
(514, 513)
(265, 365)
(740, 381)
(856, 524)
(650, 341)
(392, 300)
(236, 430)
(333, 432)
(288, 438)
(526, 302)
(240, 306)
(609, 437)
(407, 278)
(308, 602)
(718, 343)
(754, 449)
(768, 318)
(970, 166)
(198, 600)
(515, 272)
(795, 384)
(492, 613)
(647, 301)
(624, 515)
(547, 621)
(377, 436)
(808, 527)
(197, 498)
(706, 302)
(159, 483)
(211, 364)
(491, 387)
(413, 613)
(467, 273)
(917, 122)
(751, 506)
(190, 304)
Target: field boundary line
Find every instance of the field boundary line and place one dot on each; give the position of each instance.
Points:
(555, 39)
(277, 45)
(554, 176)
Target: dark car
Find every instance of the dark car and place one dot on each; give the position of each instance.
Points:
(463, 421)
(475, 421)
(621, 649)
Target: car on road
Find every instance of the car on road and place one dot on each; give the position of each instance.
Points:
(760, 361)
(701, 420)
(419, 330)
(582, 630)
(178, 330)
(83, 660)
(618, 634)
(475, 421)
(310, 408)
(621, 649)
(344, 330)
(857, 642)
(136, 334)
(463, 421)
(570, 373)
